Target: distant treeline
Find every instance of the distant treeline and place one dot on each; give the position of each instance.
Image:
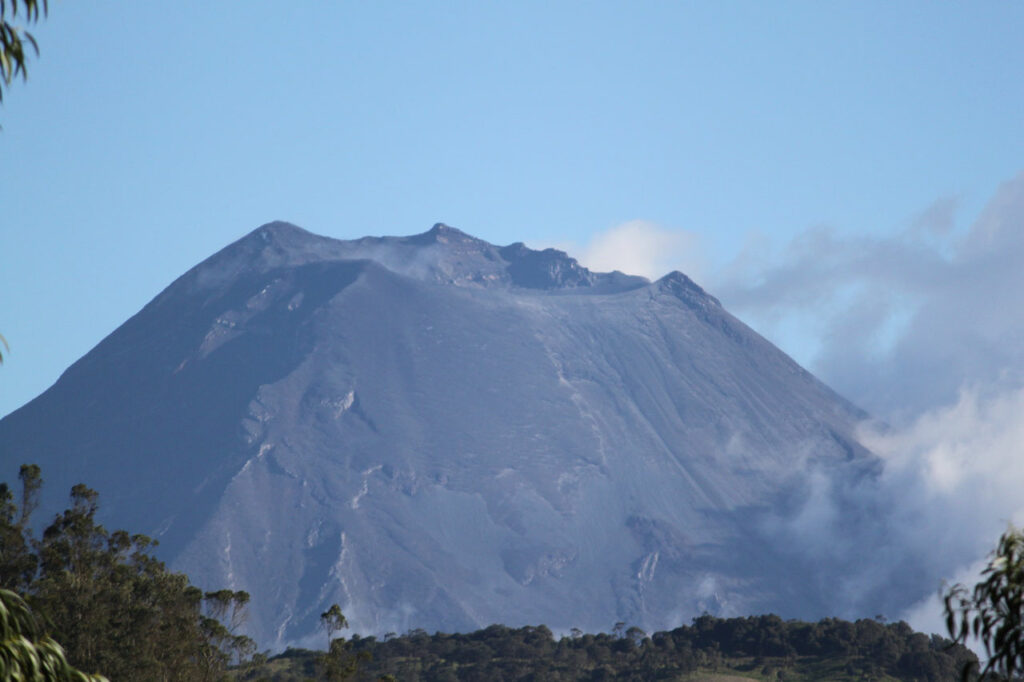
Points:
(761, 647)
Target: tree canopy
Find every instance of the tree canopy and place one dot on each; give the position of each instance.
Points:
(112, 605)
(759, 648)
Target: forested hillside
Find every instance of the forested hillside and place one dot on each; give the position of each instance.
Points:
(761, 648)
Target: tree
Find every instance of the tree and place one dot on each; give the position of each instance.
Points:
(115, 607)
(18, 562)
(339, 663)
(13, 38)
(225, 615)
(26, 653)
(333, 620)
(993, 611)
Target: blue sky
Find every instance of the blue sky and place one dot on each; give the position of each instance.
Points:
(150, 134)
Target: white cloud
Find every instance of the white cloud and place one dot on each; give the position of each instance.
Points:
(901, 322)
(928, 615)
(639, 247)
(954, 477)
(925, 328)
(973, 448)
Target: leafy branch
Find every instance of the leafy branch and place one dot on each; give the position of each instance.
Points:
(993, 612)
(14, 39)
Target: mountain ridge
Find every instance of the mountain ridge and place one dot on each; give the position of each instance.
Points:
(444, 254)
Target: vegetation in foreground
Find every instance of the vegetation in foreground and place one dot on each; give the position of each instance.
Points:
(114, 609)
(25, 652)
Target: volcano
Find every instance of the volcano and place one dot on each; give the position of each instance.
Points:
(436, 432)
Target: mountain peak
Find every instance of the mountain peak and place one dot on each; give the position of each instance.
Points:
(281, 238)
(445, 234)
(282, 232)
(684, 288)
(280, 227)
(442, 229)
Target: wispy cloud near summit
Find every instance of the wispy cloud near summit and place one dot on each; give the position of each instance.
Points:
(642, 247)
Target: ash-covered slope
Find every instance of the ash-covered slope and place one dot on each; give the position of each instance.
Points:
(436, 432)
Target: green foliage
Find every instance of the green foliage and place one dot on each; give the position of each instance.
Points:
(3, 342)
(993, 611)
(333, 620)
(340, 662)
(14, 39)
(760, 648)
(113, 605)
(18, 561)
(26, 653)
(225, 614)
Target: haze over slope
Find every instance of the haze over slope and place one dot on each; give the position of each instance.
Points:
(437, 432)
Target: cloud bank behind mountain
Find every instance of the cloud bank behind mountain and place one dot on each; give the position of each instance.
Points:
(924, 328)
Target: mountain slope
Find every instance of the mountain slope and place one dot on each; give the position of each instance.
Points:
(437, 432)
